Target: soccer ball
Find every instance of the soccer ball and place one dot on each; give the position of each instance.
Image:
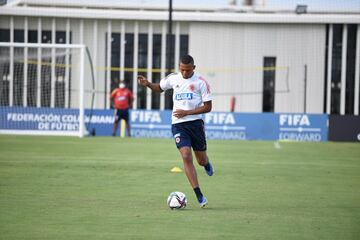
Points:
(176, 200)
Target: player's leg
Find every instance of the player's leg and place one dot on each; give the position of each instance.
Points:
(203, 160)
(199, 146)
(116, 122)
(191, 174)
(128, 129)
(127, 124)
(183, 143)
(189, 167)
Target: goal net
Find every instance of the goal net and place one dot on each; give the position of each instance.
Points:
(45, 88)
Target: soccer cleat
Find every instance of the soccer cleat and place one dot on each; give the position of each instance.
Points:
(203, 203)
(210, 170)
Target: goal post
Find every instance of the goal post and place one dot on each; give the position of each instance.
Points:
(45, 88)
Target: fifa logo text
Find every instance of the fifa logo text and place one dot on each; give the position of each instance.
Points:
(294, 120)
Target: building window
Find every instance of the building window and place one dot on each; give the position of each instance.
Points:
(350, 69)
(155, 97)
(184, 44)
(4, 69)
(32, 70)
(336, 68)
(32, 36)
(142, 65)
(326, 67)
(170, 64)
(32, 78)
(60, 61)
(115, 60)
(4, 35)
(19, 35)
(129, 59)
(45, 71)
(269, 84)
(18, 69)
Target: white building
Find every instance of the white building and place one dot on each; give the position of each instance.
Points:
(270, 60)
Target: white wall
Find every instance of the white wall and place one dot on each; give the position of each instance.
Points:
(230, 56)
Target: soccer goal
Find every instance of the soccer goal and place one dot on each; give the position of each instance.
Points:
(45, 88)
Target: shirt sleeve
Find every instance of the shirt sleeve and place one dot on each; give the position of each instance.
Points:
(165, 83)
(205, 90)
(113, 93)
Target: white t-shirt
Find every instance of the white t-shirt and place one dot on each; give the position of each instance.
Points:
(188, 94)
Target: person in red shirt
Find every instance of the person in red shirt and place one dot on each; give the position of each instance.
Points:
(122, 99)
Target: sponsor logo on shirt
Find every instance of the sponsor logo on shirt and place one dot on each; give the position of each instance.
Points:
(184, 96)
(121, 98)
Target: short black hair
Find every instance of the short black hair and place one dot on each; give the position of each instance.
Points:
(187, 59)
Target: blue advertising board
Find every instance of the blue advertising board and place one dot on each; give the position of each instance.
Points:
(39, 119)
(240, 126)
(266, 126)
(150, 124)
(302, 127)
(157, 124)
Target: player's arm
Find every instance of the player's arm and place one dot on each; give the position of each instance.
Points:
(179, 113)
(131, 100)
(145, 83)
(112, 95)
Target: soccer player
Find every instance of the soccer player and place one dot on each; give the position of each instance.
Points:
(123, 99)
(191, 99)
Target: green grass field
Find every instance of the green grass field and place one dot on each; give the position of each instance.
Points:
(112, 188)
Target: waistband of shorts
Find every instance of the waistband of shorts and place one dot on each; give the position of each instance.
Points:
(186, 122)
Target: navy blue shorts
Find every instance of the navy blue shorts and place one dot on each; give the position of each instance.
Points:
(190, 134)
(122, 114)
